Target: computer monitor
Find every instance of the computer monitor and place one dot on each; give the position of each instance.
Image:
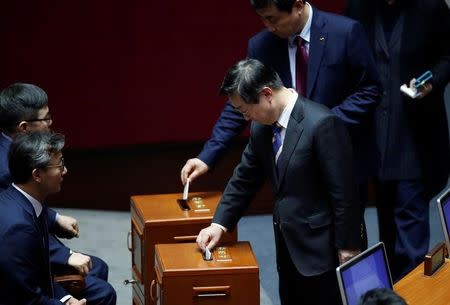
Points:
(366, 271)
(444, 212)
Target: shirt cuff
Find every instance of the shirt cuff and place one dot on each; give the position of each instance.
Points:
(220, 226)
(64, 299)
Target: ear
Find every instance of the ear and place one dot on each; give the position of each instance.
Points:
(22, 126)
(298, 6)
(36, 175)
(267, 94)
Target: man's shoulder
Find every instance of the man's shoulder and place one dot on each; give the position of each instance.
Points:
(334, 22)
(265, 37)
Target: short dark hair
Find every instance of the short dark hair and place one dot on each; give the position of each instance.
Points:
(381, 296)
(247, 78)
(20, 102)
(32, 150)
(281, 5)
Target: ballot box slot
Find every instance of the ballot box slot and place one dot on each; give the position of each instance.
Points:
(186, 238)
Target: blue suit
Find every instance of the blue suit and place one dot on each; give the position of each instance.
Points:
(341, 75)
(24, 261)
(98, 291)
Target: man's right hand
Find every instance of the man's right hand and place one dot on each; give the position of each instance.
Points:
(82, 263)
(193, 169)
(73, 301)
(209, 237)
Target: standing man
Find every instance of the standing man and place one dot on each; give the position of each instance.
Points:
(24, 108)
(412, 155)
(37, 170)
(305, 151)
(325, 57)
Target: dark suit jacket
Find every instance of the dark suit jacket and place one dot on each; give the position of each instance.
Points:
(341, 75)
(316, 207)
(59, 254)
(424, 46)
(24, 260)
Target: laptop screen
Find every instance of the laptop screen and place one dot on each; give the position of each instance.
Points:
(362, 273)
(444, 213)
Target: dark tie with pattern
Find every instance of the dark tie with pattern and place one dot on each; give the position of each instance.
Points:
(276, 139)
(43, 226)
(301, 62)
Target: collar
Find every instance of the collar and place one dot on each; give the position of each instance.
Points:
(6, 137)
(37, 206)
(305, 34)
(283, 120)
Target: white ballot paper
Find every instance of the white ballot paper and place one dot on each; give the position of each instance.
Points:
(186, 190)
(207, 254)
(412, 93)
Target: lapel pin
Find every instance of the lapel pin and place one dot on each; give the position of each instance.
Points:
(322, 39)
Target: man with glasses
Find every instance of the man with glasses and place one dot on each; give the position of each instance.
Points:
(24, 108)
(37, 170)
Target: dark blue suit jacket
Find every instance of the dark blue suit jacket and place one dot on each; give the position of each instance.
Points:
(341, 75)
(24, 260)
(316, 209)
(59, 254)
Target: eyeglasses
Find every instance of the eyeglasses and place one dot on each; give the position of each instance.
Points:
(47, 119)
(60, 165)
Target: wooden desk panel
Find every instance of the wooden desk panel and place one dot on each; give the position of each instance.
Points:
(419, 289)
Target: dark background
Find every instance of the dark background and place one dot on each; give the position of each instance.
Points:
(132, 84)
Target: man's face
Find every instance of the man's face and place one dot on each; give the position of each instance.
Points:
(52, 176)
(282, 24)
(262, 112)
(42, 122)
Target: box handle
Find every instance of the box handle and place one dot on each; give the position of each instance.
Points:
(129, 241)
(154, 299)
(183, 239)
(211, 291)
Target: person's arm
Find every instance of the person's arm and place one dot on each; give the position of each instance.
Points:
(21, 260)
(364, 93)
(228, 127)
(334, 153)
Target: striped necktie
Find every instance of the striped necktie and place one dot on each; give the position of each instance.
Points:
(276, 139)
(301, 62)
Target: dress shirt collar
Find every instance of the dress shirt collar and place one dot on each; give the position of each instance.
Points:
(283, 120)
(6, 137)
(305, 34)
(37, 206)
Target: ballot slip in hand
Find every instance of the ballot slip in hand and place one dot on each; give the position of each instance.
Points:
(412, 93)
(207, 254)
(186, 190)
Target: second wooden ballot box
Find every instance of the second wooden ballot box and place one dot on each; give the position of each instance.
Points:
(163, 218)
(183, 276)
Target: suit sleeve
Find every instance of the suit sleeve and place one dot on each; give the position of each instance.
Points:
(336, 163)
(247, 179)
(227, 128)
(20, 262)
(364, 89)
(59, 253)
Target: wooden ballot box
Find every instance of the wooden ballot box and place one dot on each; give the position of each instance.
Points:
(159, 219)
(184, 277)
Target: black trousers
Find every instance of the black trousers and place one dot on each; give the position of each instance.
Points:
(296, 289)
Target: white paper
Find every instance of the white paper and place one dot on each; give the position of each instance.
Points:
(408, 91)
(186, 190)
(207, 254)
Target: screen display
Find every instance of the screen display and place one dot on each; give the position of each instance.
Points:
(368, 273)
(446, 209)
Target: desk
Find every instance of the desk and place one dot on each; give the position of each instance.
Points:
(419, 289)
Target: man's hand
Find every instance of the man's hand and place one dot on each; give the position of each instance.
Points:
(73, 301)
(422, 91)
(344, 255)
(82, 263)
(68, 225)
(209, 237)
(193, 169)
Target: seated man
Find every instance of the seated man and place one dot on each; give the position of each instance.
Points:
(37, 170)
(24, 107)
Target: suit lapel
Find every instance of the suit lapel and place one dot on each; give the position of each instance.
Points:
(293, 134)
(380, 39)
(317, 45)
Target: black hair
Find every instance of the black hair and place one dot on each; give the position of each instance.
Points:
(381, 296)
(281, 5)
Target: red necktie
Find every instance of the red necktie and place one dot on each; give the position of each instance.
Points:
(301, 62)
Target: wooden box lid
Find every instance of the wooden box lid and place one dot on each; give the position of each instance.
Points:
(163, 209)
(187, 259)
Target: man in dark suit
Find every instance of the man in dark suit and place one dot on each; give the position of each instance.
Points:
(37, 169)
(412, 142)
(324, 56)
(23, 108)
(305, 151)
